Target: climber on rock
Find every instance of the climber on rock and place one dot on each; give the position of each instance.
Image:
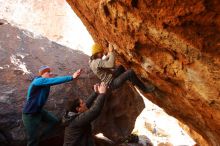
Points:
(79, 115)
(33, 113)
(113, 76)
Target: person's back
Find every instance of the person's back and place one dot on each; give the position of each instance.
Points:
(78, 134)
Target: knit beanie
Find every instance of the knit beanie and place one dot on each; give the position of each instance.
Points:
(96, 48)
(43, 69)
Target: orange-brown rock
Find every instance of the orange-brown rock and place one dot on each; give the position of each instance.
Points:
(174, 44)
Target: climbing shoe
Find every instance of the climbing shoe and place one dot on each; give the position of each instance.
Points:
(148, 88)
(158, 93)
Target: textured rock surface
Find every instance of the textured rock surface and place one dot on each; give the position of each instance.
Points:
(53, 19)
(174, 44)
(22, 53)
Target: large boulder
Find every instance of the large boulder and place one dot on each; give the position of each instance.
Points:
(21, 55)
(174, 44)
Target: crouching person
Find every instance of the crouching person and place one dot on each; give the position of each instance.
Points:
(80, 114)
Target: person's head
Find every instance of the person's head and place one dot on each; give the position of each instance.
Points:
(45, 71)
(97, 51)
(77, 106)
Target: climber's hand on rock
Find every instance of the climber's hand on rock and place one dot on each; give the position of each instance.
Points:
(110, 47)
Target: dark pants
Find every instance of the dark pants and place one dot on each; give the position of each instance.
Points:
(32, 124)
(121, 76)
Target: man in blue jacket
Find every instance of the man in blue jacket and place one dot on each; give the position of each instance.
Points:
(33, 113)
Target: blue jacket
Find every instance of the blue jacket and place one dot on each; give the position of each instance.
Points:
(38, 92)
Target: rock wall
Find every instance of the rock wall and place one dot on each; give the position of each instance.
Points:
(174, 44)
(52, 19)
(21, 55)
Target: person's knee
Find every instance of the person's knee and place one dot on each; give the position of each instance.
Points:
(56, 121)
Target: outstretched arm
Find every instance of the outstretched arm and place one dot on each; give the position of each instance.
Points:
(91, 99)
(56, 80)
(52, 81)
(93, 96)
(109, 62)
(92, 113)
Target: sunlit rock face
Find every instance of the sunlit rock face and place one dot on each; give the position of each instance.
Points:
(22, 54)
(174, 44)
(53, 19)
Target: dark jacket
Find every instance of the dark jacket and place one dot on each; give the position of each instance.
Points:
(79, 131)
(38, 92)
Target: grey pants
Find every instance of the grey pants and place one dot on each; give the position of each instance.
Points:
(121, 76)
